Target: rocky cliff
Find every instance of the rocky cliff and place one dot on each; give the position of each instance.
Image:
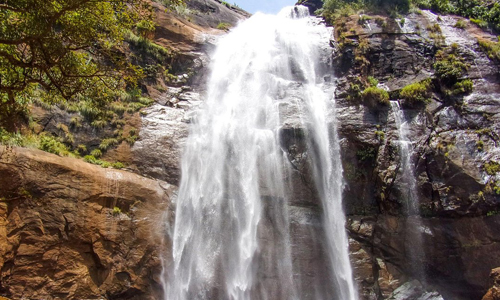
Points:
(71, 230)
(454, 141)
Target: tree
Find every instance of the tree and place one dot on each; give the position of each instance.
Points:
(64, 49)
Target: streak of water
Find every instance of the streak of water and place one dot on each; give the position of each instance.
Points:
(414, 225)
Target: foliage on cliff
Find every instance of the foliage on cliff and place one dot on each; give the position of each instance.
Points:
(76, 54)
(482, 12)
(64, 48)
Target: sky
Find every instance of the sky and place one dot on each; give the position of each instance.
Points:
(266, 6)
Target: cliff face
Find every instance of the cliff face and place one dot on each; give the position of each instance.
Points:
(71, 230)
(454, 140)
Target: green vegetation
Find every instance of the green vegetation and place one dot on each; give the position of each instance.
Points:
(373, 96)
(354, 92)
(492, 49)
(367, 154)
(462, 87)
(380, 135)
(480, 145)
(116, 211)
(415, 93)
(449, 70)
(105, 164)
(60, 50)
(73, 54)
(50, 144)
(436, 34)
(332, 9)
(492, 213)
(481, 12)
(460, 24)
(491, 168)
(372, 81)
(224, 26)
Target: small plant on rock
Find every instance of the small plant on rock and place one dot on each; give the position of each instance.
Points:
(417, 93)
(224, 26)
(116, 211)
(460, 24)
(373, 96)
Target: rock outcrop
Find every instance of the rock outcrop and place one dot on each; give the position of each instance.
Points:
(72, 230)
(494, 292)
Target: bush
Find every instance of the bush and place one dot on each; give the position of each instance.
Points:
(354, 92)
(449, 69)
(51, 144)
(463, 87)
(419, 92)
(118, 165)
(460, 24)
(106, 143)
(492, 49)
(96, 153)
(492, 167)
(116, 211)
(372, 81)
(224, 26)
(373, 96)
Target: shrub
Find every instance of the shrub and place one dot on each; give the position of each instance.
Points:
(419, 92)
(372, 81)
(434, 28)
(479, 22)
(224, 26)
(99, 123)
(480, 145)
(90, 159)
(51, 144)
(116, 211)
(96, 153)
(492, 49)
(118, 165)
(460, 24)
(106, 143)
(463, 87)
(354, 92)
(81, 149)
(449, 69)
(492, 167)
(374, 95)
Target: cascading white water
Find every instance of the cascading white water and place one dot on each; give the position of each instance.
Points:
(406, 153)
(413, 223)
(233, 166)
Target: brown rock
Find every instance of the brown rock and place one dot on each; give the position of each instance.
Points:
(62, 237)
(494, 292)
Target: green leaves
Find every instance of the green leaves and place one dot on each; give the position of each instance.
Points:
(62, 49)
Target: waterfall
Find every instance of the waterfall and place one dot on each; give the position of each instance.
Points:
(406, 153)
(414, 225)
(233, 167)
